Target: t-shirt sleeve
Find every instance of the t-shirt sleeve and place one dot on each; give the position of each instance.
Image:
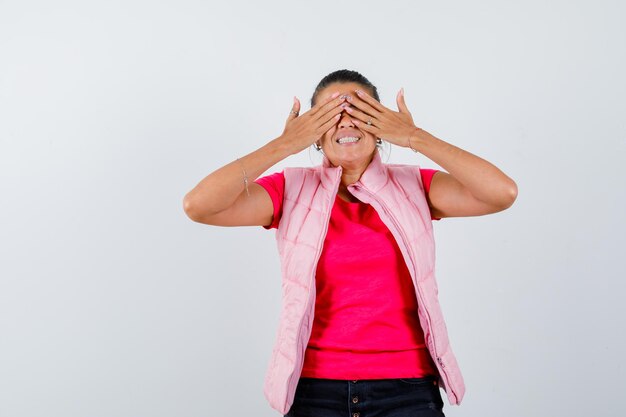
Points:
(427, 177)
(274, 184)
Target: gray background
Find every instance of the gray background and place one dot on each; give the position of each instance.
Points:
(114, 303)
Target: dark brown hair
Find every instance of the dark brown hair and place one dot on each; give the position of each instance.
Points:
(344, 76)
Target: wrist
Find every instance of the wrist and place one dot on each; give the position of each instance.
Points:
(284, 145)
(413, 139)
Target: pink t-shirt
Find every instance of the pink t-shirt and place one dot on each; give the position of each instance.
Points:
(366, 324)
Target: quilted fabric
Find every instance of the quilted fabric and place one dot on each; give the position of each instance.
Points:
(396, 192)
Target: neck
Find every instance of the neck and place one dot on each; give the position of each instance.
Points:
(351, 172)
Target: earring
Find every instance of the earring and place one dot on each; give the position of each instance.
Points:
(317, 147)
(379, 141)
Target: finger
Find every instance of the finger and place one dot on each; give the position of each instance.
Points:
(330, 108)
(368, 128)
(295, 109)
(333, 115)
(330, 123)
(364, 106)
(360, 115)
(315, 109)
(401, 103)
(370, 100)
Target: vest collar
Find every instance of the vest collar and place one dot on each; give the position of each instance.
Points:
(373, 178)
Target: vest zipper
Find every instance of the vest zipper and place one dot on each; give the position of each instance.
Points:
(317, 257)
(419, 293)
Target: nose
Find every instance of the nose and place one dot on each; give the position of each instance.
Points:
(345, 120)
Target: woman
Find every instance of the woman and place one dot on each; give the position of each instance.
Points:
(361, 330)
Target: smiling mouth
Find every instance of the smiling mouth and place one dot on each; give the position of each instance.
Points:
(348, 139)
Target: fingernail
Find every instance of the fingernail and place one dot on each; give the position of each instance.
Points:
(359, 92)
(402, 91)
(335, 94)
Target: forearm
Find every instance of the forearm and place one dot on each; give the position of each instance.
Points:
(484, 180)
(219, 190)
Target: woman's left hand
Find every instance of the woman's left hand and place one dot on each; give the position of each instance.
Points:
(393, 126)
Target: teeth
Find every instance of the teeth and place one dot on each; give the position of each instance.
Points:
(348, 139)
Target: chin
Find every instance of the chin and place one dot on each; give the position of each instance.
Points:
(343, 158)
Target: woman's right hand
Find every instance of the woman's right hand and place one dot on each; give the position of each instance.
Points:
(302, 131)
(223, 199)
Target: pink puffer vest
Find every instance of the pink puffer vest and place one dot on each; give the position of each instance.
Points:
(396, 192)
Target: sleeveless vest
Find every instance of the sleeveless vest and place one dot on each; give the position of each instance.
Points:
(397, 194)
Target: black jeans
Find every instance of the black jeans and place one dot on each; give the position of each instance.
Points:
(402, 397)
